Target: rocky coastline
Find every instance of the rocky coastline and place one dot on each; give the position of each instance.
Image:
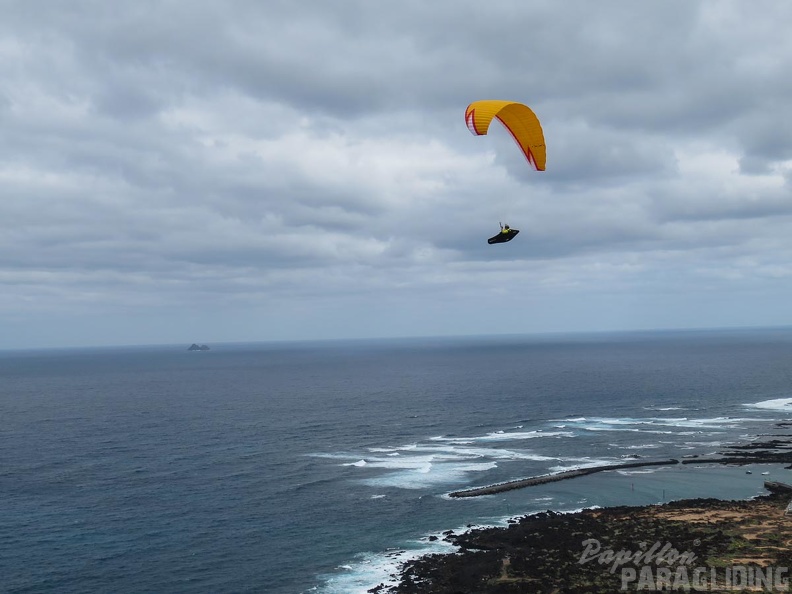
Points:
(699, 542)
(546, 552)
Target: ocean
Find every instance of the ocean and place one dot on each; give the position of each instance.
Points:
(317, 467)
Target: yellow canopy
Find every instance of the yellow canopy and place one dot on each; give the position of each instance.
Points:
(518, 119)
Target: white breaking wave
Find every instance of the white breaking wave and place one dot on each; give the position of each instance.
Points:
(441, 460)
(448, 459)
(583, 463)
(358, 463)
(643, 446)
(659, 424)
(372, 569)
(505, 436)
(427, 475)
(708, 444)
(779, 404)
(426, 466)
(457, 451)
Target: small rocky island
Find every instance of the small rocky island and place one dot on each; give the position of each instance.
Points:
(198, 347)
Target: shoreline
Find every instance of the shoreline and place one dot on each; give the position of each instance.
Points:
(542, 552)
(551, 552)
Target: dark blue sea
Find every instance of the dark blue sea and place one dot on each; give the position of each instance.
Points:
(319, 467)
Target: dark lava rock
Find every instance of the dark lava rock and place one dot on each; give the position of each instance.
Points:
(542, 553)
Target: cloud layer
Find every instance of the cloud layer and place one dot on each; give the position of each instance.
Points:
(255, 171)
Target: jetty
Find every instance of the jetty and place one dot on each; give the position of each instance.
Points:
(558, 476)
(780, 488)
(775, 451)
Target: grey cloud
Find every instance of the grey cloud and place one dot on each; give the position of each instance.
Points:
(229, 154)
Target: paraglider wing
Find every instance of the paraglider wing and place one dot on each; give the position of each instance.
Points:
(503, 237)
(518, 119)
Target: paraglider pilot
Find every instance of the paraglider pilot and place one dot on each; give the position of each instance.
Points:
(505, 234)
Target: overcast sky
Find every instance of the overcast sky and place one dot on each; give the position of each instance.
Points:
(251, 170)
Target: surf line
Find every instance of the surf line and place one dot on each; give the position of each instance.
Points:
(558, 476)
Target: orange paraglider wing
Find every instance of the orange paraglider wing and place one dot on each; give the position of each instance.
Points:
(518, 119)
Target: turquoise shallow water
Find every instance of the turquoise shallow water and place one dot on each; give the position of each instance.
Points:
(319, 466)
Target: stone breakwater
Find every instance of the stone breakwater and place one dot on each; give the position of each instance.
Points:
(559, 476)
(773, 451)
